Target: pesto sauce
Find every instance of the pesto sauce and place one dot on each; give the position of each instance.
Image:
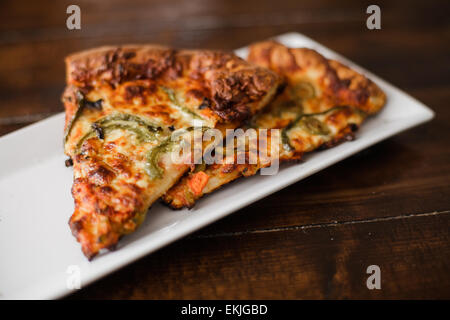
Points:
(80, 99)
(144, 130)
(130, 118)
(313, 126)
(151, 166)
(82, 103)
(309, 123)
(303, 90)
(297, 93)
(142, 135)
(173, 98)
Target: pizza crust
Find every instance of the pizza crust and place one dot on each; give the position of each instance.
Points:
(336, 83)
(235, 87)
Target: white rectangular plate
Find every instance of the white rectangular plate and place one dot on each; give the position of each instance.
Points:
(36, 246)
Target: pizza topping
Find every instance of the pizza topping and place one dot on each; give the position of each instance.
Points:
(142, 135)
(143, 130)
(152, 166)
(197, 182)
(99, 131)
(303, 90)
(79, 110)
(206, 103)
(200, 167)
(285, 141)
(178, 104)
(313, 126)
(97, 105)
(82, 103)
(309, 123)
(151, 127)
(68, 162)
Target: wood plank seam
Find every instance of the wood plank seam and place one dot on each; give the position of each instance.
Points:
(318, 225)
(196, 23)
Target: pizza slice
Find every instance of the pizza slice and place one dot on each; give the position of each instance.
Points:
(128, 110)
(324, 102)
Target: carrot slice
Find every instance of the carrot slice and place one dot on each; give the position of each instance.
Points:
(197, 182)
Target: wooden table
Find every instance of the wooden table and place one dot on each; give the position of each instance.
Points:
(388, 205)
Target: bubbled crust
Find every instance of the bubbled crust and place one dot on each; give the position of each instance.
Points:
(358, 90)
(236, 88)
(337, 84)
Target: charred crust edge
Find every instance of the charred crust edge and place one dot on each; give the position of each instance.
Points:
(234, 85)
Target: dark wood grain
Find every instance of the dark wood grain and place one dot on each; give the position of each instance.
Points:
(388, 205)
(311, 261)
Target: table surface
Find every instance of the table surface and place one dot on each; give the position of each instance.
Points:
(388, 205)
